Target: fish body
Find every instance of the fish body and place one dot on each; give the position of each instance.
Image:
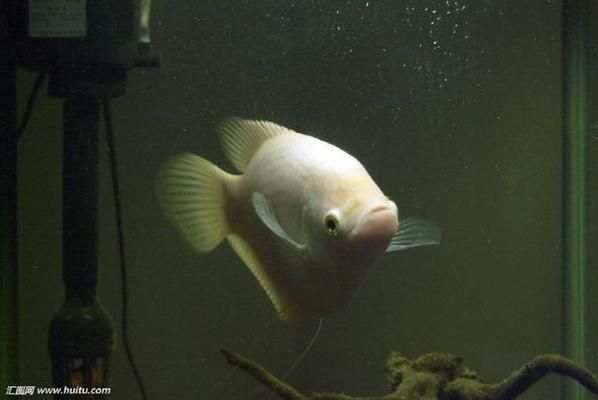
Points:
(303, 215)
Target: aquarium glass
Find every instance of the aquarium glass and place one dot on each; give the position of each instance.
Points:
(453, 107)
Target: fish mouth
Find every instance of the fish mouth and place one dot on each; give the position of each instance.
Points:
(377, 223)
(380, 208)
(375, 211)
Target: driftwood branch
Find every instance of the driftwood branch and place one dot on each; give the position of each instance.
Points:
(434, 376)
(282, 389)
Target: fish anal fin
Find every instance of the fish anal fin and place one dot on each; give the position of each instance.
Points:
(249, 257)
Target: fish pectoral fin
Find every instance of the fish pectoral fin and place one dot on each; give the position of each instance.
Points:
(266, 214)
(414, 232)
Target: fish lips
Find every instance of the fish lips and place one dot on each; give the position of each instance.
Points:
(376, 226)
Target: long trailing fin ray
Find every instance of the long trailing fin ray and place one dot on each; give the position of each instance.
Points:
(414, 232)
(241, 138)
(192, 193)
(306, 349)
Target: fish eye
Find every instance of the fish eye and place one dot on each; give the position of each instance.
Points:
(332, 222)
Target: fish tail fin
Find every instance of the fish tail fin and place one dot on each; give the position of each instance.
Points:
(192, 193)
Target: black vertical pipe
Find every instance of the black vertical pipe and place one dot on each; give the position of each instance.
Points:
(8, 205)
(81, 335)
(80, 193)
(575, 263)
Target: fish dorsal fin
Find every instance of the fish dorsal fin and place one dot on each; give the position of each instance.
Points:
(414, 232)
(241, 138)
(266, 214)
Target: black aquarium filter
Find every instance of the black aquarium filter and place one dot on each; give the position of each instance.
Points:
(86, 47)
(58, 33)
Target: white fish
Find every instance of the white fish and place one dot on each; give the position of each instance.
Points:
(304, 216)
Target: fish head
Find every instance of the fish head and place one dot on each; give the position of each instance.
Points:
(352, 224)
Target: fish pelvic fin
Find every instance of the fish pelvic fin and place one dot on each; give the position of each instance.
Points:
(192, 193)
(241, 138)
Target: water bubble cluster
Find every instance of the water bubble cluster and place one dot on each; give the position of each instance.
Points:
(441, 28)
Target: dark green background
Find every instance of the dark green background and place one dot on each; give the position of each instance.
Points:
(453, 106)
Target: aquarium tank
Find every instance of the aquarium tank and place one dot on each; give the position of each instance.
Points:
(480, 117)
